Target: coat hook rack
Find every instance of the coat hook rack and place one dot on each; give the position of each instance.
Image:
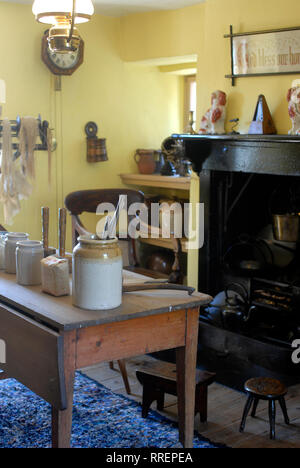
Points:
(43, 134)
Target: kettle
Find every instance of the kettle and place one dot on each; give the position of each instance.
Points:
(237, 310)
(231, 308)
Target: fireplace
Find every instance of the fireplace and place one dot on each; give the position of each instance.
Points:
(246, 180)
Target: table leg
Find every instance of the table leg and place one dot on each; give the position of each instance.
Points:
(186, 379)
(62, 420)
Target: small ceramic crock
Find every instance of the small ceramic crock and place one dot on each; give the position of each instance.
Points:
(28, 262)
(11, 240)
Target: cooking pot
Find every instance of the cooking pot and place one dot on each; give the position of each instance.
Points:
(248, 256)
(283, 252)
(286, 227)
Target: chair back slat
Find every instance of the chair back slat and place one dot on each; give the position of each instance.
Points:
(88, 200)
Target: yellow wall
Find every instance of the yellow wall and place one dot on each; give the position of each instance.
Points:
(163, 33)
(245, 16)
(199, 30)
(28, 93)
(133, 106)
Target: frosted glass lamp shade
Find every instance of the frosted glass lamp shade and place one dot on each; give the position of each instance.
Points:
(2, 92)
(48, 11)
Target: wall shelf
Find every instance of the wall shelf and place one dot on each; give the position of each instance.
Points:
(191, 186)
(178, 183)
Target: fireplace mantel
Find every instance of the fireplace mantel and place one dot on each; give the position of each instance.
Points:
(260, 154)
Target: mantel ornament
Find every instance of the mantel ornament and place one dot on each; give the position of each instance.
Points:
(214, 120)
(293, 98)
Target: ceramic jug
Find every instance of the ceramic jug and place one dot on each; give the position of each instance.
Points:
(146, 161)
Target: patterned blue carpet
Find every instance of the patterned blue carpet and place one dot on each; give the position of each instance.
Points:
(101, 419)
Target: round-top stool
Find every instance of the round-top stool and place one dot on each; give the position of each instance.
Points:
(264, 388)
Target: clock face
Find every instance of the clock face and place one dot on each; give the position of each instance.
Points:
(64, 61)
(61, 63)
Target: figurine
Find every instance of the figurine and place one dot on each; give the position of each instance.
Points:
(293, 98)
(214, 119)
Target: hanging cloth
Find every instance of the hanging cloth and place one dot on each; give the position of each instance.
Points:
(29, 132)
(14, 185)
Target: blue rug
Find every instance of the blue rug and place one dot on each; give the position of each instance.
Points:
(101, 419)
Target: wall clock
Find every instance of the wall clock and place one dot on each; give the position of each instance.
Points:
(61, 63)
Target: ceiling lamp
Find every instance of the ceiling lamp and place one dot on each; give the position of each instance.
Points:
(63, 15)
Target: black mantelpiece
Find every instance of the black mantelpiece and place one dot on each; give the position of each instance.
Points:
(260, 154)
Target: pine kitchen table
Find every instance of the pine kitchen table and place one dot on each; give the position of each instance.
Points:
(47, 339)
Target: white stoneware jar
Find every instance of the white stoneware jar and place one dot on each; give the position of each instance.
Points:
(28, 261)
(10, 250)
(97, 274)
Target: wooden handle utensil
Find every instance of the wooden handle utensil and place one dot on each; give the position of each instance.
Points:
(112, 226)
(62, 232)
(45, 227)
(153, 286)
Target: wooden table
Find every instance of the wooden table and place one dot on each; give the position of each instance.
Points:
(48, 339)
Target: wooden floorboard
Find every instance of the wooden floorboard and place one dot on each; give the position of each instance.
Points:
(225, 407)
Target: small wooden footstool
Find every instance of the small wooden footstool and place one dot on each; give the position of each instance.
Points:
(264, 388)
(158, 378)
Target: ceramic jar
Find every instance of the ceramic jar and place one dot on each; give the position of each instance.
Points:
(10, 250)
(2, 249)
(97, 274)
(28, 262)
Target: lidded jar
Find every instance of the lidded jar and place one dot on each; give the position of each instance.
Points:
(97, 274)
(10, 249)
(28, 262)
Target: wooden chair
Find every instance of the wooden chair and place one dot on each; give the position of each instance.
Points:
(88, 201)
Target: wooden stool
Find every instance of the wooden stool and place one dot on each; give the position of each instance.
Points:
(158, 378)
(263, 388)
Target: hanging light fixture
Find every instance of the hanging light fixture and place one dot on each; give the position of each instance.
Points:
(63, 15)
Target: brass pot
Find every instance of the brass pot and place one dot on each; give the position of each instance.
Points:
(286, 227)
